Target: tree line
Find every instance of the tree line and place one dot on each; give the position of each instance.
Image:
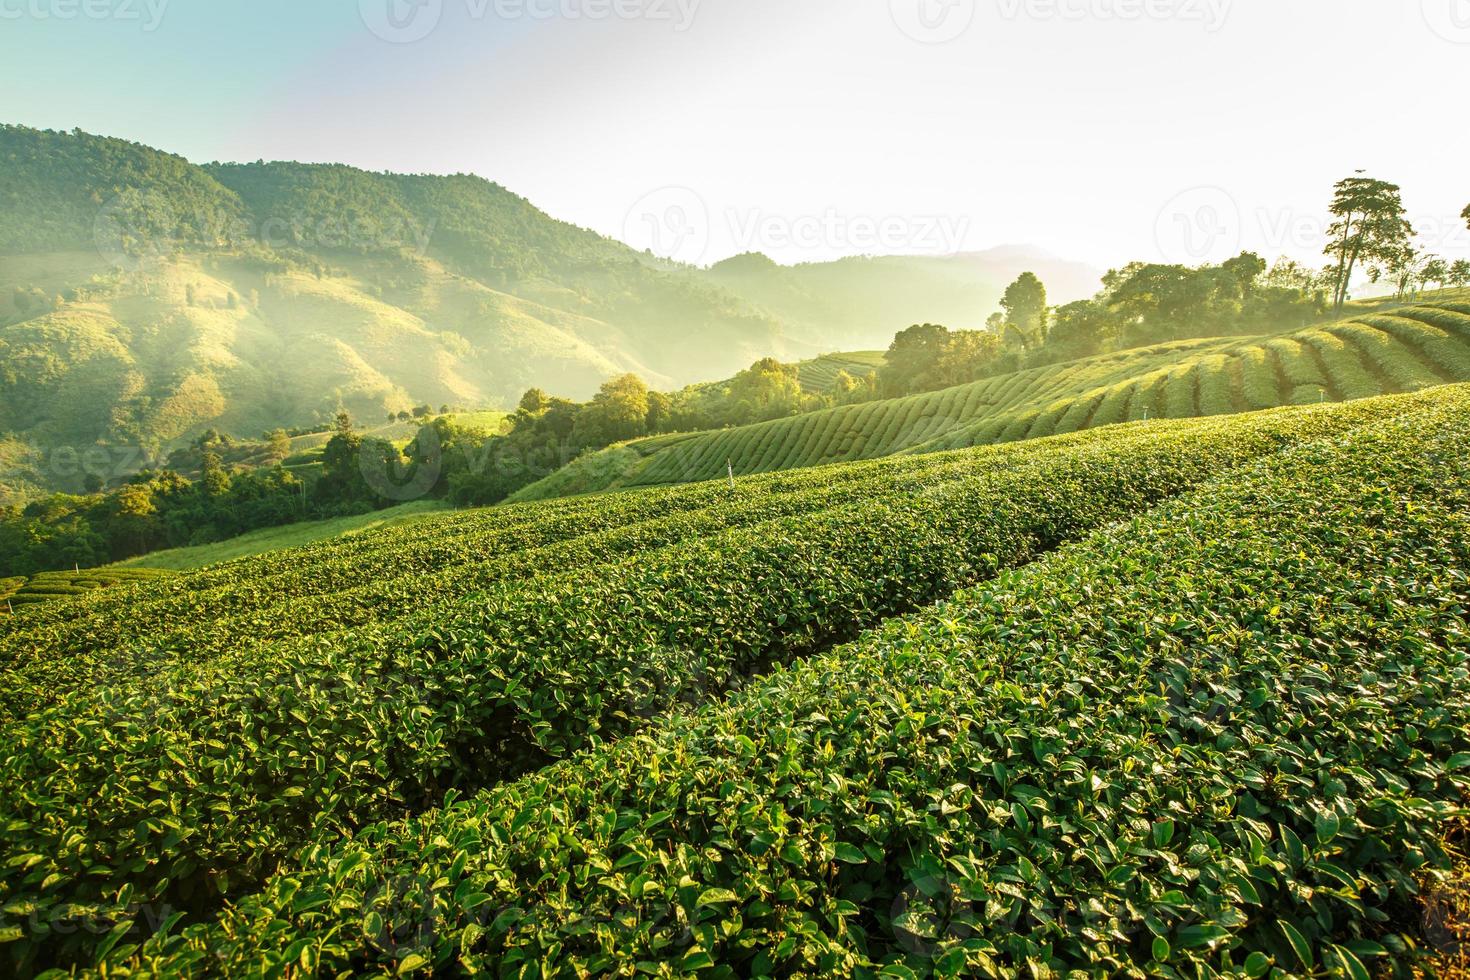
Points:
(1139, 304)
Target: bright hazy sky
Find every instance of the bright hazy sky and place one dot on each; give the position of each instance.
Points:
(1101, 130)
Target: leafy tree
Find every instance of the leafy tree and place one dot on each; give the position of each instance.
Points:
(660, 412)
(534, 400)
(1290, 274)
(1024, 305)
(968, 355)
(1401, 266)
(1459, 274)
(767, 389)
(1370, 227)
(619, 411)
(213, 478)
(135, 514)
(1157, 302)
(1434, 270)
(1081, 329)
(912, 357)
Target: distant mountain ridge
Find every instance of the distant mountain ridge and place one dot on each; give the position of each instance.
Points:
(864, 300)
(144, 298)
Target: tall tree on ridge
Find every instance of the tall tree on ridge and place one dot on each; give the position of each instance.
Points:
(1435, 270)
(1370, 226)
(1024, 304)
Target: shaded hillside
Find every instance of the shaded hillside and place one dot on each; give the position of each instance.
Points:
(144, 299)
(1374, 353)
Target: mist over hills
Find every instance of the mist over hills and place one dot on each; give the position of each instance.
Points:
(144, 298)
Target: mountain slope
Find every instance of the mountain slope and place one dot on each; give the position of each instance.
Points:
(144, 299)
(1374, 353)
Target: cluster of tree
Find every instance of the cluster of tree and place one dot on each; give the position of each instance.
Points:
(273, 447)
(1148, 303)
(1371, 231)
(216, 488)
(545, 433)
(418, 412)
(153, 509)
(1140, 304)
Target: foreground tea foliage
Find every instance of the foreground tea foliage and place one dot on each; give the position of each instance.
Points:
(1221, 738)
(324, 590)
(181, 782)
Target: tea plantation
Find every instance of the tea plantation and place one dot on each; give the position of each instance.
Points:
(1176, 698)
(1405, 349)
(22, 592)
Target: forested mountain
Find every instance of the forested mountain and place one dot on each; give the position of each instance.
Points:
(144, 299)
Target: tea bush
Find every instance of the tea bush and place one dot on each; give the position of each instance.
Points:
(1220, 739)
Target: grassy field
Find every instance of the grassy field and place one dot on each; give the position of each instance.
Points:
(1382, 349)
(1197, 677)
(277, 538)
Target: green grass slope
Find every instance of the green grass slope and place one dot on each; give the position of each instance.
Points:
(278, 538)
(1397, 349)
(535, 748)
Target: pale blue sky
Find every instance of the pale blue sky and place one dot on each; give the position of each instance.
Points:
(1103, 130)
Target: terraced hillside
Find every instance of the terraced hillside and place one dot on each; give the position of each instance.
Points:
(569, 737)
(820, 373)
(21, 592)
(1398, 350)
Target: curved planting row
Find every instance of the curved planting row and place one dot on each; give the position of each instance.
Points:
(319, 569)
(55, 672)
(258, 591)
(191, 782)
(50, 658)
(1360, 358)
(1222, 739)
